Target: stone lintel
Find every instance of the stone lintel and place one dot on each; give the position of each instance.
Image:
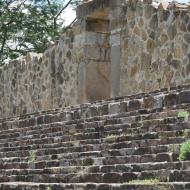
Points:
(97, 9)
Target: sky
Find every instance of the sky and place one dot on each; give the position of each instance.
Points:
(184, 1)
(69, 15)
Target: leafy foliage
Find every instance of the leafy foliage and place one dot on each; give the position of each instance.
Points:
(184, 151)
(29, 25)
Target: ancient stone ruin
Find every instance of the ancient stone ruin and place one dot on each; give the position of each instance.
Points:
(104, 108)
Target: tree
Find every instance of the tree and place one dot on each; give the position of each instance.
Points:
(28, 25)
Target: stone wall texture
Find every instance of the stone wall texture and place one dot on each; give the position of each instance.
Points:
(116, 48)
(39, 81)
(155, 48)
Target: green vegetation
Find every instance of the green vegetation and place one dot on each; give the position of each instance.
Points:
(184, 151)
(32, 157)
(112, 138)
(49, 188)
(145, 181)
(183, 114)
(30, 25)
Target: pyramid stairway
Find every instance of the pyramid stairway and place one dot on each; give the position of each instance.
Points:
(126, 143)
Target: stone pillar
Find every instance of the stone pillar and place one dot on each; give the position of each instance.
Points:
(116, 17)
(115, 63)
(94, 68)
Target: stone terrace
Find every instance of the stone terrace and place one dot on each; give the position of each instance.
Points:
(105, 145)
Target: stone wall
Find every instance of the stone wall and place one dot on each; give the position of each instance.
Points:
(76, 69)
(116, 48)
(152, 45)
(40, 81)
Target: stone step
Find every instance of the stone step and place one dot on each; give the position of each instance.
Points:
(117, 168)
(64, 126)
(95, 161)
(174, 148)
(70, 138)
(119, 133)
(93, 186)
(42, 133)
(116, 143)
(139, 128)
(112, 177)
(169, 98)
(106, 142)
(33, 122)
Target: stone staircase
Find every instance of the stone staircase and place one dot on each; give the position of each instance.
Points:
(126, 143)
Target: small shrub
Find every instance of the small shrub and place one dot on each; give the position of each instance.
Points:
(32, 157)
(184, 151)
(183, 114)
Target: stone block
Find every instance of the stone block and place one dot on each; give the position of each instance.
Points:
(128, 176)
(114, 108)
(171, 100)
(104, 109)
(134, 105)
(164, 157)
(159, 102)
(97, 81)
(123, 106)
(112, 178)
(40, 120)
(184, 97)
(104, 187)
(115, 70)
(149, 102)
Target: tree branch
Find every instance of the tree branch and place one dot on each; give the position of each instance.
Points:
(70, 25)
(49, 4)
(3, 41)
(63, 9)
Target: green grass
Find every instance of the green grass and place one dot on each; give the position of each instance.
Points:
(145, 181)
(112, 138)
(32, 157)
(184, 151)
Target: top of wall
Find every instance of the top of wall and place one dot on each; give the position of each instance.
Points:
(91, 7)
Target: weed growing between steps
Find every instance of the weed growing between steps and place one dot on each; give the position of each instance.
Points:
(184, 151)
(152, 182)
(49, 188)
(32, 157)
(145, 181)
(112, 138)
(183, 114)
